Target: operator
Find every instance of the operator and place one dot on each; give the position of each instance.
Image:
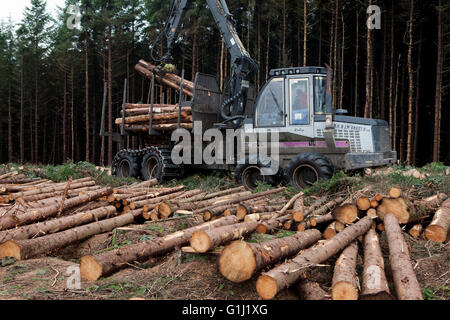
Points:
(300, 104)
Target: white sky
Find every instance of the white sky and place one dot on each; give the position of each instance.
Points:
(14, 8)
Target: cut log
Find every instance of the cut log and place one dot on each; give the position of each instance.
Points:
(395, 193)
(25, 249)
(163, 117)
(347, 213)
(168, 76)
(308, 290)
(374, 204)
(206, 240)
(339, 226)
(406, 285)
(76, 184)
(56, 225)
(396, 206)
(241, 260)
(438, 229)
(372, 213)
(314, 221)
(344, 283)
(40, 214)
(416, 230)
(363, 203)
(378, 197)
(243, 209)
(146, 184)
(275, 222)
(158, 127)
(283, 276)
(374, 283)
(93, 267)
(330, 231)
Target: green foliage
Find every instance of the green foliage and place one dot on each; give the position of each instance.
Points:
(428, 294)
(7, 261)
(189, 257)
(339, 182)
(209, 181)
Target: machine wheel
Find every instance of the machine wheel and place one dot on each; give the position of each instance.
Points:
(126, 165)
(249, 175)
(307, 168)
(157, 163)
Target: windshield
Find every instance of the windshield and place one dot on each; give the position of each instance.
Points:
(270, 109)
(320, 85)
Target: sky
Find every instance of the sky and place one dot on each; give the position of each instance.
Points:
(14, 8)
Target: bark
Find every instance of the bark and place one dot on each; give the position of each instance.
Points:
(368, 105)
(93, 267)
(439, 228)
(406, 285)
(25, 249)
(374, 283)
(57, 225)
(330, 231)
(283, 276)
(80, 183)
(344, 283)
(391, 81)
(241, 260)
(243, 209)
(110, 114)
(308, 290)
(204, 241)
(159, 127)
(162, 117)
(35, 215)
(87, 158)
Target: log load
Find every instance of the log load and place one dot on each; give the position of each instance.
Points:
(93, 267)
(374, 283)
(157, 118)
(406, 285)
(344, 283)
(35, 215)
(158, 127)
(308, 290)
(438, 229)
(240, 260)
(206, 240)
(76, 184)
(25, 249)
(56, 225)
(283, 276)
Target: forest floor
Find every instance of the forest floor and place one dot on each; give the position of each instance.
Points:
(181, 275)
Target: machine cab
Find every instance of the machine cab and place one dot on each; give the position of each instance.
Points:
(291, 97)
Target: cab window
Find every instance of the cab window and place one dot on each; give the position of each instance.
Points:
(299, 101)
(270, 110)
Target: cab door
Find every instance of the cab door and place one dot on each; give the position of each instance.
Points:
(299, 93)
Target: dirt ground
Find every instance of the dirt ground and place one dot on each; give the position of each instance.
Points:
(184, 276)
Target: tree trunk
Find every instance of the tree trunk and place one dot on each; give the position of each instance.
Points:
(344, 283)
(368, 105)
(305, 32)
(64, 124)
(439, 228)
(417, 113)
(204, 241)
(411, 86)
(406, 285)
(25, 249)
(241, 260)
(391, 82)
(87, 158)
(93, 267)
(22, 115)
(438, 96)
(57, 225)
(281, 277)
(110, 112)
(374, 283)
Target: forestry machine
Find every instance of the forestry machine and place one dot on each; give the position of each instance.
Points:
(294, 103)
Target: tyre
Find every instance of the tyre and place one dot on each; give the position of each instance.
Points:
(157, 164)
(249, 175)
(125, 165)
(307, 168)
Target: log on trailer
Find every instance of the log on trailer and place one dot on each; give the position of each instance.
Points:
(406, 285)
(283, 276)
(241, 260)
(93, 267)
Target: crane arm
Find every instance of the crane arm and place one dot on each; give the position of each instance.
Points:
(243, 66)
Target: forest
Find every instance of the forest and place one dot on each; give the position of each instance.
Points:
(52, 76)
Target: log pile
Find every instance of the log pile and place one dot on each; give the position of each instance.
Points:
(136, 117)
(40, 216)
